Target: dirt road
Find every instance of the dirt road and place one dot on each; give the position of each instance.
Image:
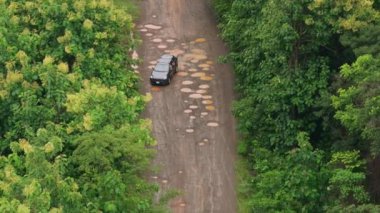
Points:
(192, 120)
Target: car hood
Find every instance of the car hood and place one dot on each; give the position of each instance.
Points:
(159, 75)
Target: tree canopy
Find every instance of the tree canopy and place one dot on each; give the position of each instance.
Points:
(71, 139)
(306, 117)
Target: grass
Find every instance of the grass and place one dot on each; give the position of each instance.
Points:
(131, 6)
(243, 188)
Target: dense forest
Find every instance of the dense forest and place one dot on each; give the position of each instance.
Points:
(308, 108)
(308, 79)
(71, 138)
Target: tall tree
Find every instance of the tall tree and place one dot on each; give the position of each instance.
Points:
(358, 103)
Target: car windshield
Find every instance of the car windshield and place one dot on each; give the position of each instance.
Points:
(161, 68)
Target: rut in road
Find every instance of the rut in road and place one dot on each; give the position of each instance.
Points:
(192, 120)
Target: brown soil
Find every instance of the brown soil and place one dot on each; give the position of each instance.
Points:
(192, 120)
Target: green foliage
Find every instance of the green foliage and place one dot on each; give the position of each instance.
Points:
(71, 139)
(48, 53)
(364, 41)
(368, 208)
(345, 182)
(285, 57)
(32, 177)
(349, 15)
(109, 163)
(280, 77)
(358, 104)
(284, 184)
(91, 107)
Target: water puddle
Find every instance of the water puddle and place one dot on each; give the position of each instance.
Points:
(187, 82)
(201, 143)
(204, 66)
(201, 91)
(153, 27)
(189, 130)
(156, 40)
(198, 51)
(207, 102)
(198, 74)
(210, 108)
(188, 111)
(193, 107)
(195, 96)
(200, 40)
(206, 78)
(186, 90)
(204, 86)
(212, 124)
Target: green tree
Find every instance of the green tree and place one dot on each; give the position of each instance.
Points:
(358, 103)
(33, 177)
(283, 184)
(108, 165)
(364, 41)
(71, 139)
(285, 57)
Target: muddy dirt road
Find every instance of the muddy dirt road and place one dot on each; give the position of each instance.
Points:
(192, 120)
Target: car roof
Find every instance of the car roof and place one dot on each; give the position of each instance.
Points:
(161, 67)
(167, 56)
(164, 60)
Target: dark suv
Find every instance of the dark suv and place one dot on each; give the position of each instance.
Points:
(164, 70)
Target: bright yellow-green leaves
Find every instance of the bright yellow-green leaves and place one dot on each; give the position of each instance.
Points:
(358, 105)
(65, 38)
(60, 81)
(346, 14)
(13, 77)
(25, 146)
(48, 60)
(99, 105)
(88, 24)
(63, 67)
